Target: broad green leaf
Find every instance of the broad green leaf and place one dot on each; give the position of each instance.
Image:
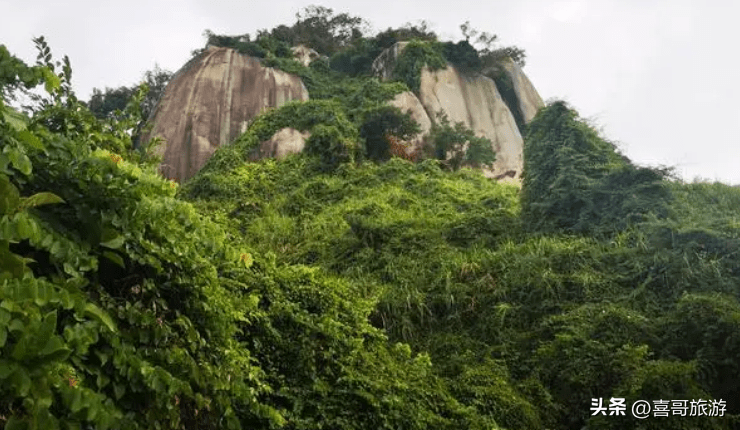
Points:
(39, 199)
(20, 380)
(115, 258)
(4, 161)
(119, 390)
(45, 420)
(3, 336)
(25, 226)
(15, 119)
(11, 263)
(52, 81)
(9, 196)
(20, 161)
(16, 325)
(247, 259)
(99, 315)
(111, 239)
(6, 368)
(54, 350)
(21, 348)
(31, 139)
(45, 294)
(77, 403)
(14, 423)
(102, 356)
(45, 332)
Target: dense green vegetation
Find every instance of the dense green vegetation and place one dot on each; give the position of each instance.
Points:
(530, 303)
(343, 288)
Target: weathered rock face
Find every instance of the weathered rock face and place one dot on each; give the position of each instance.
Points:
(476, 102)
(529, 99)
(408, 102)
(210, 101)
(304, 54)
(284, 142)
(386, 61)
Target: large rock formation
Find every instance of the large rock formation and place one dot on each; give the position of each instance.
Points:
(408, 102)
(386, 61)
(210, 101)
(284, 142)
(304, 54)
(528, 97)
(475, 101)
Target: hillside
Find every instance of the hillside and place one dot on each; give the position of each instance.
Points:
(345, 287)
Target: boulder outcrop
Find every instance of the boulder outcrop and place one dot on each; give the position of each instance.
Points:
(210, 101)
(475, 101)
(386, 61)
(284, 142)
(529, 99)
(304, 54)
(408, 102)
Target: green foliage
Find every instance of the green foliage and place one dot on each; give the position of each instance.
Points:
(704, 328)
(575, 181)
(378, 122)
(113, 101)
(357, 58)
(104, 315)
(317, 27)
(414, 57)
(336, 131)
(391, 36)
(463, 55)
(523, 330)
(321, 291)
(330, 146)
(264, 46)
(458, 146)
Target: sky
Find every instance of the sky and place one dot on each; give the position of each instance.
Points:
(658, 78)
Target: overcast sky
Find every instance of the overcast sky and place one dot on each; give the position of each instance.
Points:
(660, 78)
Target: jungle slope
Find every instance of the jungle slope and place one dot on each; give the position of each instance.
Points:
(598, 279)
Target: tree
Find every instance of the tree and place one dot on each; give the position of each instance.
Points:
(458, 145)
(104, 104)
(380, 122)
(320, 29)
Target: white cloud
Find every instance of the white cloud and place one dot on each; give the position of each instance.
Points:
(568, 11)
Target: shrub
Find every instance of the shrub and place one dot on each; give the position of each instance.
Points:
(330, 146)
(378, 122)
(458, 146)
(414, 57)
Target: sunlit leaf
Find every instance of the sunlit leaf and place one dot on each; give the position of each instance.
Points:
(40, 199)
(115, 258)
(98, 314)
(111, 239)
